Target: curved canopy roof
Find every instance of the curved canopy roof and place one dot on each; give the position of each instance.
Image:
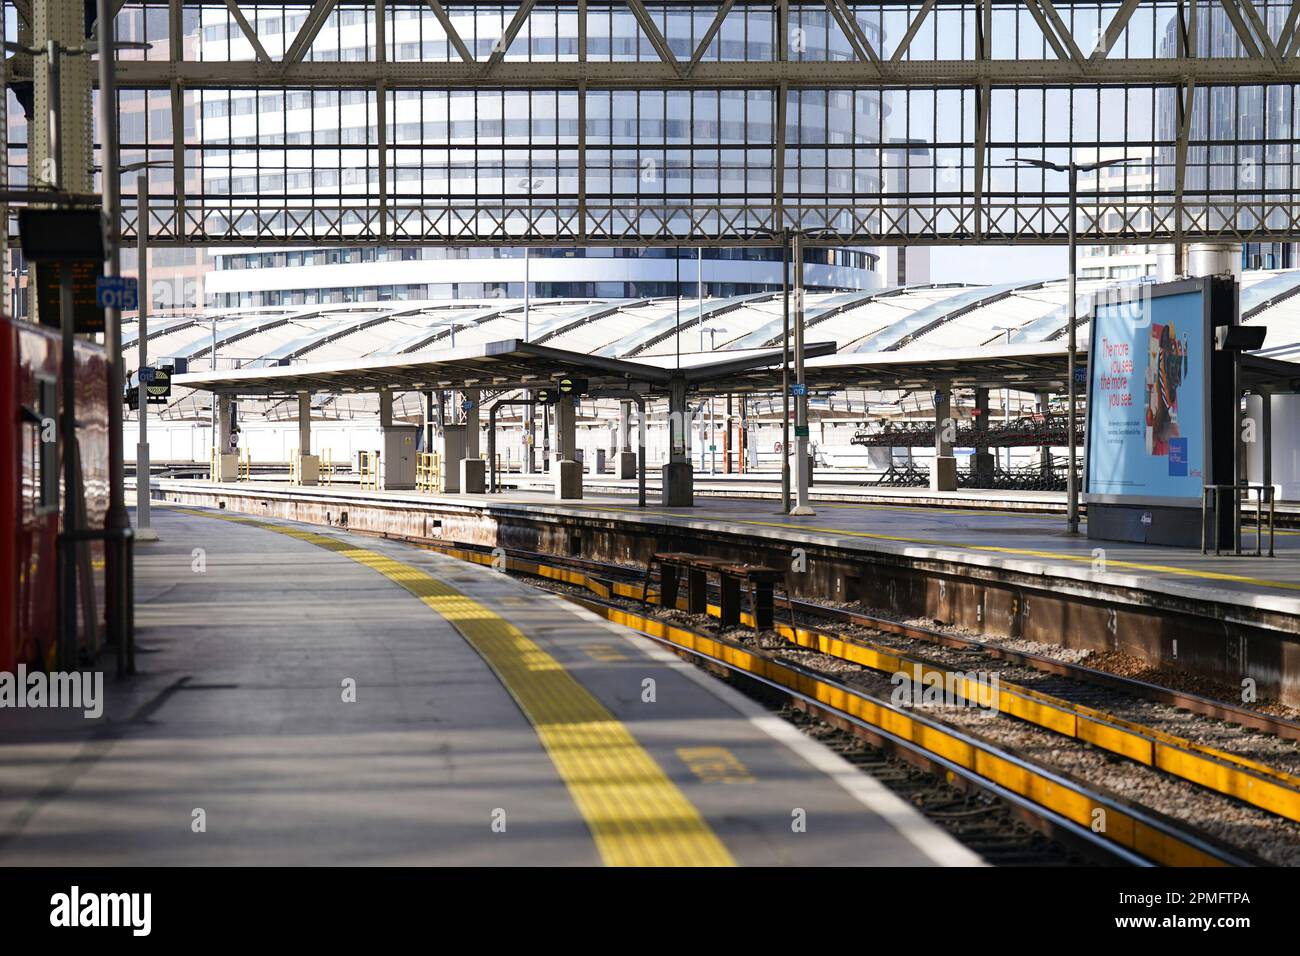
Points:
(962, 321)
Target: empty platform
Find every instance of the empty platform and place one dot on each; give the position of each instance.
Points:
(312, 697)
(994, 537)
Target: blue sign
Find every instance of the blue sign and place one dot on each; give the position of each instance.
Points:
(1178, 457)
(117, 292)
(146, 375)
(1147, 421)
(466, 405)
(798, 388)
(1080, 375)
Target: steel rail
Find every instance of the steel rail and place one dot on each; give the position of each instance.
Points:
(1136, 833)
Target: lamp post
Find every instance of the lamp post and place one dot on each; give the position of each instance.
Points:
(713, 438)
(528, 184)
(143, 527)
(451, 325)
(785, 373)
(1072, 356)
(1006, 395)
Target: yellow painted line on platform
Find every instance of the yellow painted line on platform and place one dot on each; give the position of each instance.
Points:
(972, 512)
(1018, 552)
(636, 814)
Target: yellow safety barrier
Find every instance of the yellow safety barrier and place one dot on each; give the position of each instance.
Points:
(327, 466)
(295, 472)
(246, 466)
(368, 469)
(428, 471)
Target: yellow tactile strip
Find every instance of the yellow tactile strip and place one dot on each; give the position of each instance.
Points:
(636, 814)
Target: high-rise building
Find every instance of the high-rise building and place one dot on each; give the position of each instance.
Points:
(498, 144)
(1239, 149)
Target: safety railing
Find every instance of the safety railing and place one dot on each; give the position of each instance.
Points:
(428, 471)
(368, 469)
(246, 465)
(1261, 493)
(326, 466)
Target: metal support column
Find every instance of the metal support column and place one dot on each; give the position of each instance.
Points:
(678, 488)
(785, 377)
(568, 470)
(943, 474)
(982, 465)
(116, 575)
(304, 423)
(801, 463)
(1072, 363)
(143, 527)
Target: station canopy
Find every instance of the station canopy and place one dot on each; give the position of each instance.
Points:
(512, 364)
(508, 364)
(889, 342)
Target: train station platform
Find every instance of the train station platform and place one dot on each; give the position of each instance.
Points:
(1003, 573)
(319, 697)
(827, 486)
(977, 529)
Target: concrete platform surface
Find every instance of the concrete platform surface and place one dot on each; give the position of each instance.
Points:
(830, 486)
(989, 537)
(490, 724)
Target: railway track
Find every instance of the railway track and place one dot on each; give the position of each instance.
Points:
(1066, 699)
(1059, 803)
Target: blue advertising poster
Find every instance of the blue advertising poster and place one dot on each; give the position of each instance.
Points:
(1146, 398)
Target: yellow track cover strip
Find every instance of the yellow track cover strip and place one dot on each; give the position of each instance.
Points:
(636, 814)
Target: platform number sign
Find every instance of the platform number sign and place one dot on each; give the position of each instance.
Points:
(466, 405)
(798, 389)
(117, 292)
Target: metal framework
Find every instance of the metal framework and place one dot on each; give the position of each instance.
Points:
(625, 122)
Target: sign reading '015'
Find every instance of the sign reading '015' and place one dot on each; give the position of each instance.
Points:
(117, 292)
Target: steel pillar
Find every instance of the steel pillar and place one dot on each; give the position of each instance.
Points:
(943, 474)
(678, 488)
(801, 505)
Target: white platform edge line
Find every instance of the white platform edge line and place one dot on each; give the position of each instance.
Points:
(927, 837)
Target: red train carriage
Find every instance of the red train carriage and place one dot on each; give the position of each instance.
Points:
(31, 491)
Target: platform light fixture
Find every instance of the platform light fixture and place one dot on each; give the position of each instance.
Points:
(1072, 169)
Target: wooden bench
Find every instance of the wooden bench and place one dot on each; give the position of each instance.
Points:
(732, 576)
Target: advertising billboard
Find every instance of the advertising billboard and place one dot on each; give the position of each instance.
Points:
(1148, 414)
